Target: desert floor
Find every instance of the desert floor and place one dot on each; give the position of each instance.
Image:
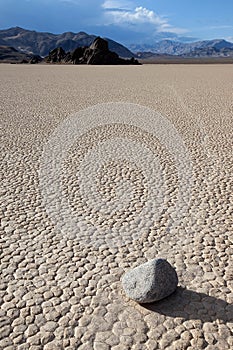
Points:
(104, 168)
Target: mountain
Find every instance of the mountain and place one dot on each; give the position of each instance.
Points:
(171, 47)
(210, 52)
(11, 55)
(41, 43)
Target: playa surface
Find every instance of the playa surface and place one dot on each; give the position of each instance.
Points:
(73, 224)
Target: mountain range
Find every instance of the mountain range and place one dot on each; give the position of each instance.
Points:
(37, 43)
(215, 48)
(41, 43)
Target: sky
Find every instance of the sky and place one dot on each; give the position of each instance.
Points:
(126, 21)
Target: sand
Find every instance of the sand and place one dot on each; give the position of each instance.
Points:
(104, 168)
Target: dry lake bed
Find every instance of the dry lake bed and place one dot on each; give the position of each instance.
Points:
(104, 168)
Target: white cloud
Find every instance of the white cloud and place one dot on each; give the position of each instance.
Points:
(229, 38)
(117, 5)
(168, 28)
(117, 13)
(138, 15)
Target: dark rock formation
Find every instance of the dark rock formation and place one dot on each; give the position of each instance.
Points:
(56, 55)
(97, 53)
(35, 59)
(77, 55)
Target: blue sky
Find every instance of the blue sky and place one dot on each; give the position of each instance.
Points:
(127, 21)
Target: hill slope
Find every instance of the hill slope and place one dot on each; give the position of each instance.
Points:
(11, 55)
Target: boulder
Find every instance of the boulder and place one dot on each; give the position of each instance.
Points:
(57, 55)
(77, 55)
(149, 282)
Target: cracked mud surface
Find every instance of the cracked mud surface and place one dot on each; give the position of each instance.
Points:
(61, 292)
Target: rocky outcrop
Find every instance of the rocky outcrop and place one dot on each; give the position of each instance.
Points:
(97, 53)
(77, 55)
(56, 55)
(35, 59)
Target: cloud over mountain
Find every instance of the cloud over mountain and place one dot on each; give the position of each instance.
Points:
(124, 13)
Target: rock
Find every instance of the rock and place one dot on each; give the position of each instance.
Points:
(35, 59)
(99, 44)
(49, 326)
(55, 56)
(77, 55)
(97, 53)
(150, 282)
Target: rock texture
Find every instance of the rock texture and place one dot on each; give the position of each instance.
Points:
(151, 281)
(77, 54)
(97, 53)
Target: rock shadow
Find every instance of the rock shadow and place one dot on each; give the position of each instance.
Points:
(193, 305)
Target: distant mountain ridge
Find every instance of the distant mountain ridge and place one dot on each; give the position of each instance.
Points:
(217, 47)
(41, 43)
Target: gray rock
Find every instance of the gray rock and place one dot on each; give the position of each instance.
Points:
(150, 282)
